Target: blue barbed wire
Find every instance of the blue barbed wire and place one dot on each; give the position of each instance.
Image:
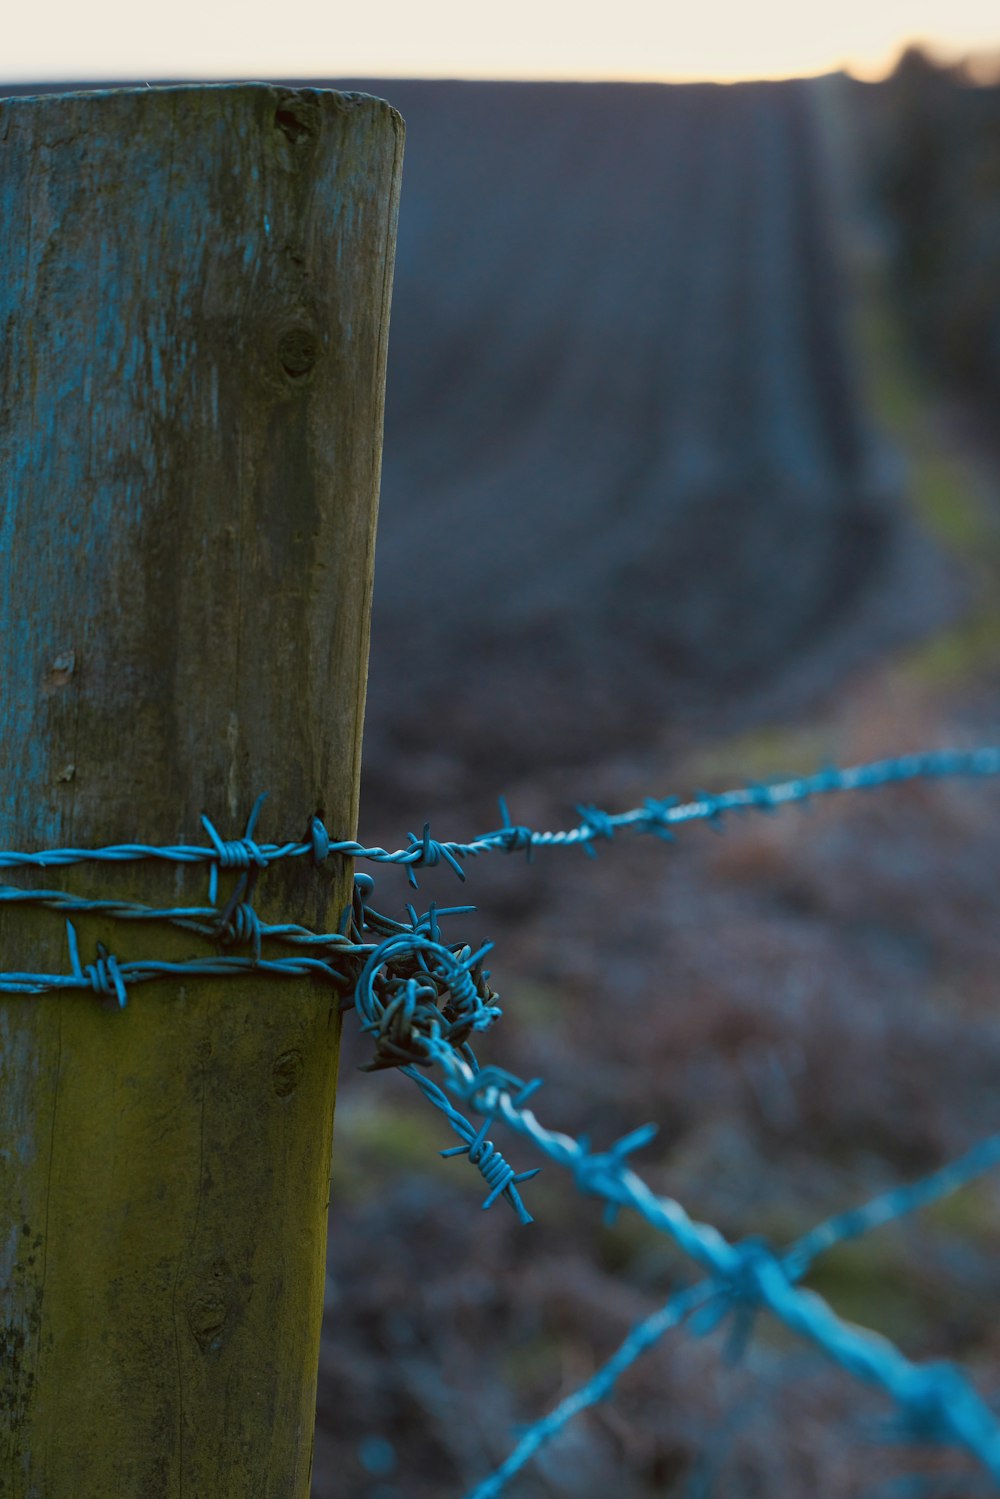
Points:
(743, 1277)
(716, 1297)
(656, 817)
(239, 923)
(422, 999)
(110, 977)
(501, 1178)
(935, 1399)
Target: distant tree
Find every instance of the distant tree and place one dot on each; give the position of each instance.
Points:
(936, 177)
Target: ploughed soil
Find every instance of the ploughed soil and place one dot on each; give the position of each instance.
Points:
(641, 534)
(631, 484)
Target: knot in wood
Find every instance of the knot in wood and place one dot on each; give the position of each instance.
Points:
(298, 351)
(206, 1318)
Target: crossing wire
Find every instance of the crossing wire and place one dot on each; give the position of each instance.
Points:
(421, 999)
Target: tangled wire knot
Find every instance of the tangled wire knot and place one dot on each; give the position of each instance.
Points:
(414, 991)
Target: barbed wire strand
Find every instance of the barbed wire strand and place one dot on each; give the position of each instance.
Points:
(933, 1397)
(422, 999)
(642, 1337)
(657, 817)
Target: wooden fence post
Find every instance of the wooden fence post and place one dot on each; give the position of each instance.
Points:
(194, 292)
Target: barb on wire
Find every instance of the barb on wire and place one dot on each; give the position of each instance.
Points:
(108, 976)
(656, 817)
(932, 1398)
(422, 1000)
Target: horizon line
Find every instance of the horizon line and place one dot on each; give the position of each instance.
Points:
(132, 80)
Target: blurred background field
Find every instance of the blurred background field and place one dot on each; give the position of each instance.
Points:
(691, 477)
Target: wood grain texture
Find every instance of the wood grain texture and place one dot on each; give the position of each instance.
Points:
(194, 292)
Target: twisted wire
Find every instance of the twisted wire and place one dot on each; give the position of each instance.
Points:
(422, 999)
(500, 1177)
(935, 1400)
(111, 977)
(657, 817)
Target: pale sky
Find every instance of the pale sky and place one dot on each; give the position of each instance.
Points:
(633, 39)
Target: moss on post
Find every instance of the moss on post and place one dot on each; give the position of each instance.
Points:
(194, 289)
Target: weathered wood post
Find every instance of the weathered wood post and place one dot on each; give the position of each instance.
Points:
(194, 294)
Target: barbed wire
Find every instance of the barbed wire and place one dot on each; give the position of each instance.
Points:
(422, 999)
(658, 817)
(934, 1399)
(922, 1418)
